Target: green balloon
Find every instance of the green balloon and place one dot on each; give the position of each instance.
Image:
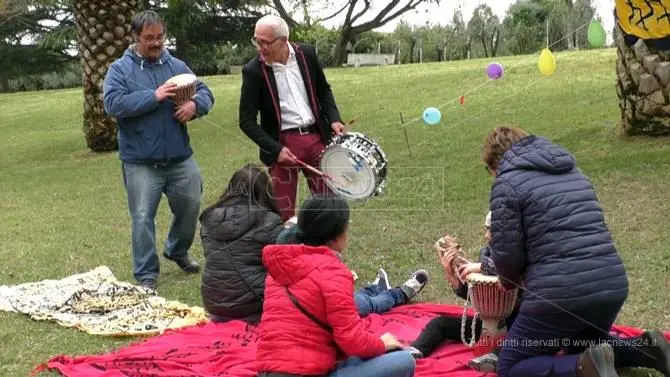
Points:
(596, 34)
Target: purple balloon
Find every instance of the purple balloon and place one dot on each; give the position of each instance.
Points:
(494, 71)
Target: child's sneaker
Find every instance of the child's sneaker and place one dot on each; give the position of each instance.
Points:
(382, 280)
(484, 363)
(414, 352)
(414, 285)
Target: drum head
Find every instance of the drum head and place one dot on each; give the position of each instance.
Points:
(478, 278)
(353, 176)
(183, 79)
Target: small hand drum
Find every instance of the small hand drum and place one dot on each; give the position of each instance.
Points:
(492, 305)
(186, 85)
(357, 165)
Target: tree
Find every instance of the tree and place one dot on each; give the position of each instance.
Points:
(322, 38)
(484, 26)
(564, 17)
(103, 34)
(404, 35)
(34, 38)
(354, 11)
(463, 39)
(197, 26)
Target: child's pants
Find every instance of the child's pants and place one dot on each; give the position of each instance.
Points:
(443, 328)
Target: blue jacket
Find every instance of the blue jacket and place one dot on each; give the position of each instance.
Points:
(148, 131)
(547, 225)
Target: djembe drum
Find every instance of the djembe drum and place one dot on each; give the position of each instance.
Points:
(492, 305)
(186, 85)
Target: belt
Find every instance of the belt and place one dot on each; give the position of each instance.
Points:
(302, 130)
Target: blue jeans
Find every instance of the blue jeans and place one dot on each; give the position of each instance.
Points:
(145, 184)
(392, 364)
(373, 299)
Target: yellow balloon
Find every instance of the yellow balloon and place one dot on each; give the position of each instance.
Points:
(547, 62)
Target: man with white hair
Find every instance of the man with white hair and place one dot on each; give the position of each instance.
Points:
(299, 116)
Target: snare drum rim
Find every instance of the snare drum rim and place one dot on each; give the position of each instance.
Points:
(347, 142)
(380, 164)
(367, 193)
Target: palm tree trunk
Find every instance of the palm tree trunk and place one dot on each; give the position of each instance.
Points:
(103, 34)
(643, 86)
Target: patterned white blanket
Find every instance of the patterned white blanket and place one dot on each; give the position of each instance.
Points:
(96, 303)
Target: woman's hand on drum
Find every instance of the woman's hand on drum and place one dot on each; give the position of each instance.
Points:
(390, 342)
(466, 269)
(286, 157)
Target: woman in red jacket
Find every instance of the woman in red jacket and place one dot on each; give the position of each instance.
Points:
(310, 325)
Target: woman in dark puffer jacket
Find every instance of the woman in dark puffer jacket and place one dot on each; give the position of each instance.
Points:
(234, 231)
(548, 234)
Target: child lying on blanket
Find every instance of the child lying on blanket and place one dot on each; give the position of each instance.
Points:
(444, 328)
(649, 350)
(310, 324)
(378, 297)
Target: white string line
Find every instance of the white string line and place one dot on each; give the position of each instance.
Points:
(479, 86)
(488, 109)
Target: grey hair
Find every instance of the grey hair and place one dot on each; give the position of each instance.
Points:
(278, 25)
(144, 18)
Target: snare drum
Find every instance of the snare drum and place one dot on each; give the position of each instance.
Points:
(357, 165)
(492, 305)
(186, 84)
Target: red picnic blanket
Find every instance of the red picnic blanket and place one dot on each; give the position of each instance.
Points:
(229, 349)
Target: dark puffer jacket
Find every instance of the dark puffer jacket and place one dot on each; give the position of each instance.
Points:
(547, 224)
(233, 236)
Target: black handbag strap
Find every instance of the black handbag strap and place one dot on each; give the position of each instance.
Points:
(308, 314)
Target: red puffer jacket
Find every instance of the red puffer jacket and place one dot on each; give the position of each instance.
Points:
(290, 342)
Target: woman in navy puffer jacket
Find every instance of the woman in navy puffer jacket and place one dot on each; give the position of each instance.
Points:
(549, 236)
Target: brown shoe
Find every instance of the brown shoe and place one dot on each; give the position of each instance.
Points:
(597, 361)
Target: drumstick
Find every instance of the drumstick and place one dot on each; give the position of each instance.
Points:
(315, 170)
(354, 120)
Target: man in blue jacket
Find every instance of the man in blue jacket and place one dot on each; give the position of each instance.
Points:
(154, 145)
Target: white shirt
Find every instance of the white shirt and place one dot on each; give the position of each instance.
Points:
(293, 99)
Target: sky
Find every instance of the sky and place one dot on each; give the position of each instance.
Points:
(443, 13)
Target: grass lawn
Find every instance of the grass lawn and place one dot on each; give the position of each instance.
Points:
(64, 209)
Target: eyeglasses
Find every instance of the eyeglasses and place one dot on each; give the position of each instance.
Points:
(152, 39)
(260, 43)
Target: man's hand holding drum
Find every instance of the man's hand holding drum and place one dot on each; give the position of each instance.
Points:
(165, 91)
(186, 111)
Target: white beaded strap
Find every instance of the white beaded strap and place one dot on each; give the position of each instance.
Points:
(468, 300)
